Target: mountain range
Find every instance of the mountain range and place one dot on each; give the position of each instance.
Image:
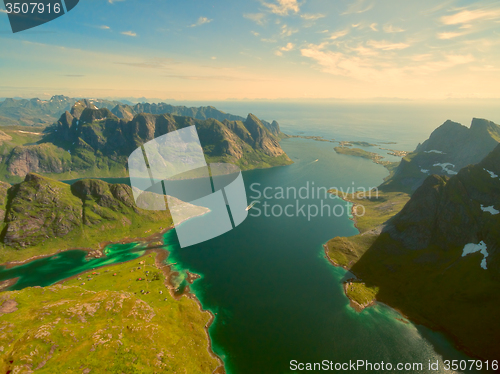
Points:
(92, 142)
(449, 148)
(36, 112)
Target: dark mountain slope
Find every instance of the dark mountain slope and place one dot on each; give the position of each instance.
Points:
(438, 259)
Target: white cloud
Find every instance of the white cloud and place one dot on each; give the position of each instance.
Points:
(114, 1)
(373, 26)
(258, 18)
(312, 17)
(255, 33)
(363, 51)
(359, 6)
(391, 29)
(449, 35)
(421, 57)
(287, 47)
(104, 27)
(466, 16)
(339, 34)
(201, 21)
(287, 31)
(449, 61)
(338, 63)
(283, 7)
(386, 45)
(268, 40)
(3, 11)
(128, 33)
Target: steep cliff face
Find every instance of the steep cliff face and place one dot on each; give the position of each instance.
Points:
(451, 211)
(438, 259)
(39, 158)
(128, 112)
(449, 148)
(94, 142)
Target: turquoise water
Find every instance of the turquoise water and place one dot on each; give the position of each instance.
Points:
(275, 296)
(48, 270)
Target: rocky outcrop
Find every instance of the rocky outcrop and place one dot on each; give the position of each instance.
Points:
(40, 158)
(127, 112)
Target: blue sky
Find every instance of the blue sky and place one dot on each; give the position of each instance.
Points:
(275, 49)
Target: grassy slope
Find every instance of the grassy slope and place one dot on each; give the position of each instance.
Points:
(110, 225)
(357, 152)
(361, 293)
(345, 251)
(106, 325)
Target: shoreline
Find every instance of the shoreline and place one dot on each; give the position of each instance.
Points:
(161, 256)
(153, 242)
(102, 245)
(91, 251)
(413, 318)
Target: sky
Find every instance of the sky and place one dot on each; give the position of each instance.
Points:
(258, 49)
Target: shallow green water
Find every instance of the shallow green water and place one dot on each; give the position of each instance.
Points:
(275, 296)
(48, 270)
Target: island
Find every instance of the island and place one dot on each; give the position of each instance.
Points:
(358, 152)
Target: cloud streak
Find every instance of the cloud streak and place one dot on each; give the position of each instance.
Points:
(360, 6)
(466, 16)
(283, 7)
(129, 33)
(258, 18)
(391, 29)
(312, 17)
(201, 21)
(386, 46)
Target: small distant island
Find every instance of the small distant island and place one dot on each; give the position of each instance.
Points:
(375, 157)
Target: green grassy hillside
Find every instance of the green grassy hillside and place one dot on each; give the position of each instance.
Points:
(104, 322)
(43, 216)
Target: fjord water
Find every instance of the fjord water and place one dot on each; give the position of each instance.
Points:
(275, 295)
